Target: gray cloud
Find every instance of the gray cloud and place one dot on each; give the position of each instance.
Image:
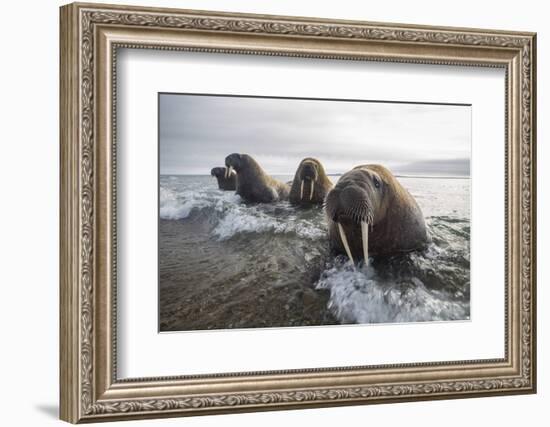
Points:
(197, 132)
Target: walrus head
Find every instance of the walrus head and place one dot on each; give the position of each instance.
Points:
(234, 162)
(218, 172)
(357, 202)
(310, 184)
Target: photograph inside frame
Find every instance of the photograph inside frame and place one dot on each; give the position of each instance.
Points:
(286, 212)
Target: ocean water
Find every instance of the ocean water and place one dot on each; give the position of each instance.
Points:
(227, 264)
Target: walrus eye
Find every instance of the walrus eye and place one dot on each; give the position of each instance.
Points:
(376, 182)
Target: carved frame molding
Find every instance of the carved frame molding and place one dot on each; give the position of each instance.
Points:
(90, 36)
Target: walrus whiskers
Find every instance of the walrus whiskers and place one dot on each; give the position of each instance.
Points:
(345, 242)
(302, 190)
(365, 240)
(311, 191)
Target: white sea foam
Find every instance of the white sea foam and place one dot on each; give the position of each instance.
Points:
(179, 205)
(359, 296)
(246, 219)
(232, 215)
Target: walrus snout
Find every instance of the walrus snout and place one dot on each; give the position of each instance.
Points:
(349, 204)
(308, 172)
(349, 207)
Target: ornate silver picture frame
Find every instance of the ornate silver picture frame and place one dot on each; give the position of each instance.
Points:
(91, 36)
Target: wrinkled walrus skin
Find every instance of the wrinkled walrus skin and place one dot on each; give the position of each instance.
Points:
(225, 182)
(369, 205)
(311, 184)
(253, 184)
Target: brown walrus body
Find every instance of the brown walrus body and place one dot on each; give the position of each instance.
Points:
(253, 184)
(226, 181)
(310, 185)
(368, 205)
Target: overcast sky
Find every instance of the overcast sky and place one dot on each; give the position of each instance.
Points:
(198, 132)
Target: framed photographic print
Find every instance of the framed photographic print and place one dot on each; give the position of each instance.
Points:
(266, 212)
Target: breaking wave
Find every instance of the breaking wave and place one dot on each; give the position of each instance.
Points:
(362, 295)
(231, 216)
(253, 220)
(428, 285)
(174, 206)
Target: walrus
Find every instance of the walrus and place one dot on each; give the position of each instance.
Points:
(311, 184)
(253, 184)
(226, 182)
(370, 213)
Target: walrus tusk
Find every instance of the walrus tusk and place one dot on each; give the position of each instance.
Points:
(228, 171)
(365, 238)
(311, 192)
(302, 190)
(345, 241)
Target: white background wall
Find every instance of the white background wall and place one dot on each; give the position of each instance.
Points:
(29, 170)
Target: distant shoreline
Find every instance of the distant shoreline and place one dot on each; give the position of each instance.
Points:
(340, 174)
